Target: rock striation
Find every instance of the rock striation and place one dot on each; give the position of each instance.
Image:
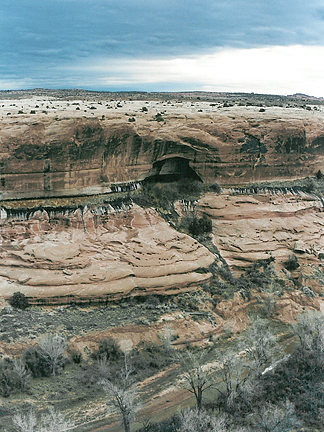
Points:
(98, 254)
(252, 227)
(82, 148)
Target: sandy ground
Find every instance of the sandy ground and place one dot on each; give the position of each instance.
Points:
(50, 107)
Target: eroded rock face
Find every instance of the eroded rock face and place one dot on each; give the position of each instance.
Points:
(64, 152)
(247, 228)
(94, 256)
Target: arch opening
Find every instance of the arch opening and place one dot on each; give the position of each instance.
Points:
(172, 169)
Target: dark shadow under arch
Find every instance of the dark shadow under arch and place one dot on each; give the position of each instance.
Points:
(172, 169)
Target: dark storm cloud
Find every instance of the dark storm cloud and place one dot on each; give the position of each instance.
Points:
(37, 36)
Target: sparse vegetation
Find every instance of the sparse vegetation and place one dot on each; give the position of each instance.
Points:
(163, 195)
(196, 225)
(122, 395)
(292, 263)
(215, 187)
(19, 300)
(54, 421)
(159, 117)
(231, 370)
(197, 379)
(51, 348)
(232, 375)
(108, 349)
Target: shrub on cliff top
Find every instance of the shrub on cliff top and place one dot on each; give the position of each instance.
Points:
(19, 300)
(215, 187)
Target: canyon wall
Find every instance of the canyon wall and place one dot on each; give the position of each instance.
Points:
(64, 153)
(61, 249)
(101, 253)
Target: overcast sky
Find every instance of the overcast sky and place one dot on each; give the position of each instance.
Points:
(261, 46)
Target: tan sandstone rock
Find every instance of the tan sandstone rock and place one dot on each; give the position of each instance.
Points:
(133, 253)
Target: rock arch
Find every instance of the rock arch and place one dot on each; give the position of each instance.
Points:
(172, 169)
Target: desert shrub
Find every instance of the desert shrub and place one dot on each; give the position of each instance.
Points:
(215, 187)
(187, 188)
(169, 425)
(37, 364)
(275, 418)
(308, 291)
(157, 195)
(76, 356)
(260, 276)
(152, 301)
(292, 263)
(187, 301)
(142, 199)
(226, 274)
(163, 195)
(319, 175)
(108, 349)
(8, 378)
(310, 185)
(148, 358)
(299, 379)
(159, 117)
(197, 226)
(268, 306)
(19, 300)
(22, 373)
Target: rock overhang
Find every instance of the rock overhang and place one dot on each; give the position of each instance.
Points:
(68, 155)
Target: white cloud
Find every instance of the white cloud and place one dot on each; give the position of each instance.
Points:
(275, 70)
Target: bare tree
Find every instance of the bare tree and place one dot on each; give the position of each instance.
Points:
(309, 328)
(166, 338)
(51, 347)
(197, 378)
(259, 345)
(22, 373)
(274, 418)
(25, 422)
(103, 366)
(55, 422)
(236, 381)
(194, 420)
(52, 422)
(122, 396)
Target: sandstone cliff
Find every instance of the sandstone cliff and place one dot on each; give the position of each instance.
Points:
(98, 254)
(57, 148)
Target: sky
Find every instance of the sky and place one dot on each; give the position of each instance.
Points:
(260, 46)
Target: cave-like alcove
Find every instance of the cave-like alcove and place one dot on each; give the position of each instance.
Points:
(172, 169)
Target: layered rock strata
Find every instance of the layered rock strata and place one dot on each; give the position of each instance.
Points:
(248, 228)
(97, 255)
(57, 148)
